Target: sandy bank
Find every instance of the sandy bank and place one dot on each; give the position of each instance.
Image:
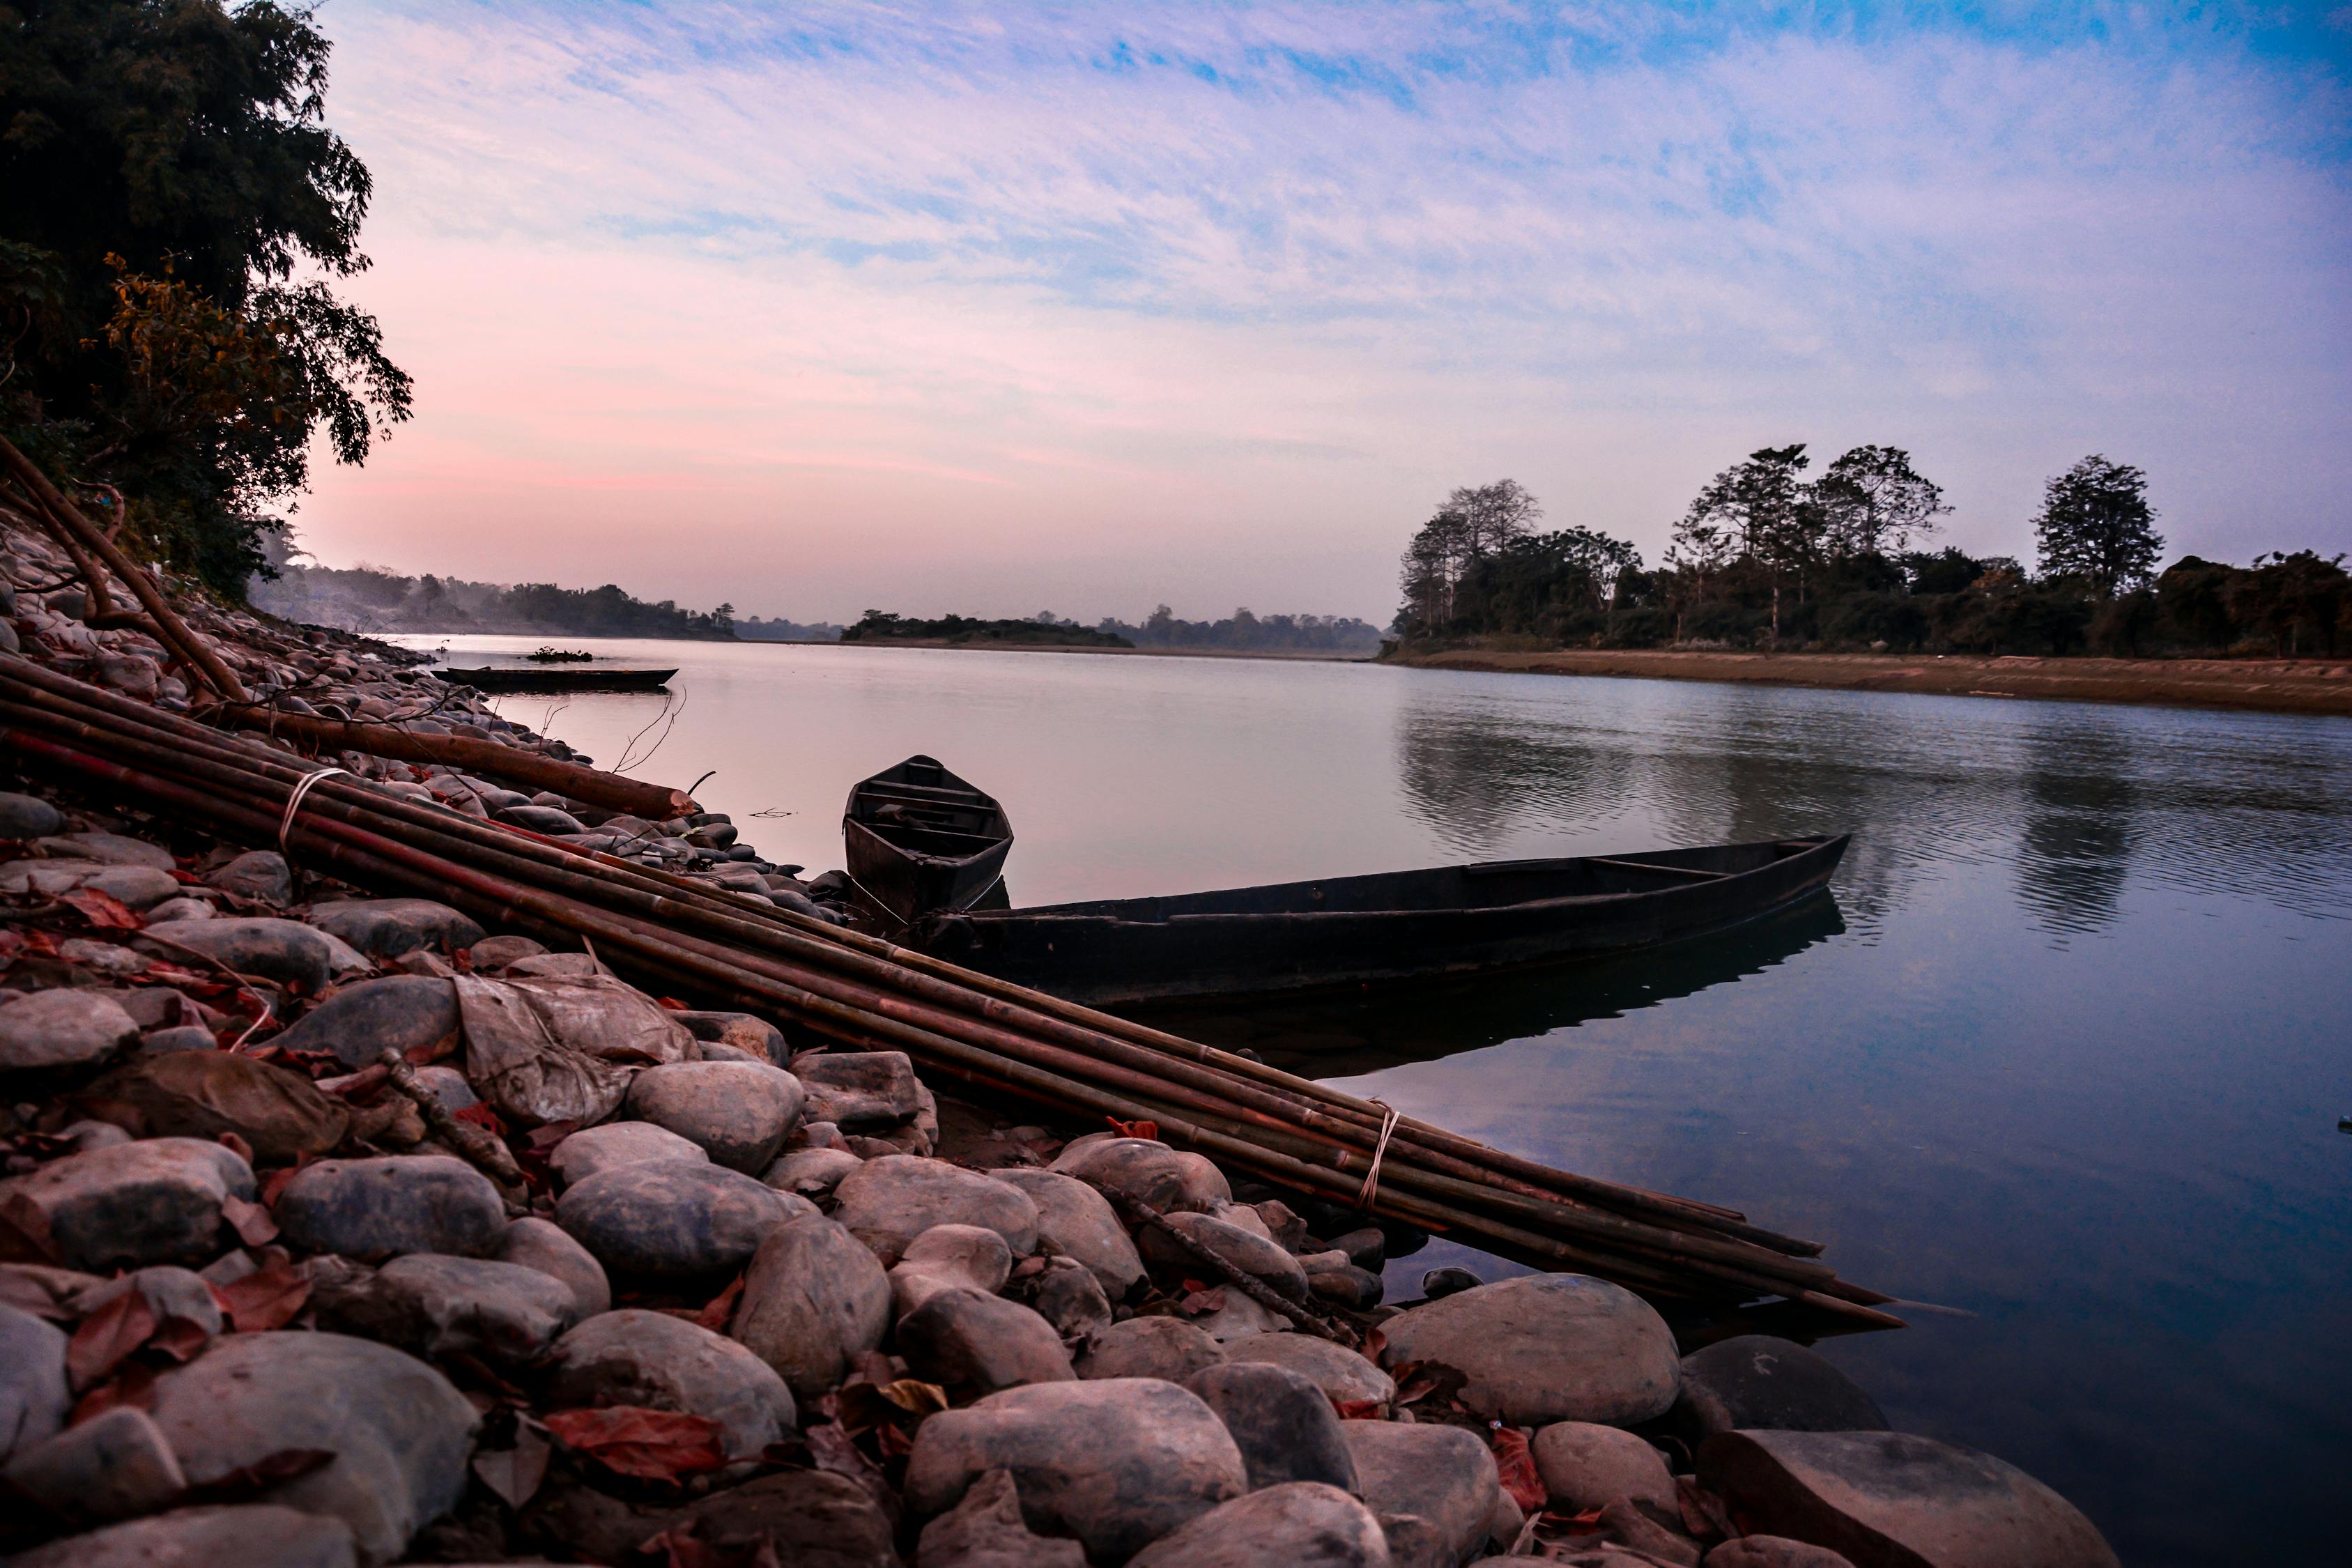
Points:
(2275, 686)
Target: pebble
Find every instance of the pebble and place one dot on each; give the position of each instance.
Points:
(34, 1398)
(28, 816)
(1068, 1296)
(399, 1432)
(431, 1304)
(1542, 1348)
(252, 1535)
(669, 1219)
(496, 952)
(1434, 1487)
(389, 1204)
(859, 1090)
(295, 955)
(1451, 1280)
(1584, 1466)
(948, 1258)
(179, 1037)
(1116, 1464)
(539, 818)
(44, 1032)
(1165, 1348)
(415, 1014)
(535, 1243)
(631, 1356)
(116, 1464)
(155, 1200)
(888, 1202)
(178, 908)
(1285, 1429)
(811, 1172)
(1754, 1381)
(986, 1530)
(258, 874)
(756, 1036)
(969, 1342)
(1295, 1524)
(1890, 1496)
(592, 1150)
(1167, 1179)
(814, 1299)
(738, 1113)
(387, 928)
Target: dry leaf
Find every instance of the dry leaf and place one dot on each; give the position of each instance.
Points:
(1150, 1130)
(722, 1307)
(108, 1337)
(1516, 1465)
(515, 1474)
(251, 1222)
(102, 908)
(269, 1297)
(650, 1445)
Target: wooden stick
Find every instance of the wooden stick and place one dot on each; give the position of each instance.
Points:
(1249, 1284)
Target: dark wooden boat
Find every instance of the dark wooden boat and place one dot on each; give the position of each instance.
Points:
(918, 840)
(502, 679)
(1403, 925)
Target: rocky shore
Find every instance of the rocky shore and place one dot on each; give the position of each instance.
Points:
(339, 1229)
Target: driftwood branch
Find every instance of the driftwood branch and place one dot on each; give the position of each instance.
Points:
(1249, 1284)
(480, 1147)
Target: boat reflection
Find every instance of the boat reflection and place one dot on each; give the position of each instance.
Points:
(1343, 1035)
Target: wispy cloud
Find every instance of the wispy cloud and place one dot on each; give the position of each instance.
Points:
(950, 304)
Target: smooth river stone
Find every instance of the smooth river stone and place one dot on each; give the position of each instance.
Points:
(1547, 1347)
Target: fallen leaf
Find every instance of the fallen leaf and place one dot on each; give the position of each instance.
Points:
(25, 1232)
(135, 1387)
(102, 908)
(515, 1474)
(1150, 1130)
(1516, 1465)
(1200, 1303)
(108, 1337)
(631, 1441)
(831, 1448)
(916, 1396)
(269, 1297)
(715, 1316)
(1361, 1409)
(1703, 1514)
(249, 1220)
(247, 1482)
(482, 1116)
(180, 1338)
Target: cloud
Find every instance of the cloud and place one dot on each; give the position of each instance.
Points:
(927, 303)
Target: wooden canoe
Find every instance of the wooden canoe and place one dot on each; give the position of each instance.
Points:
(558, 681)
(1403, 925)
(918, 840)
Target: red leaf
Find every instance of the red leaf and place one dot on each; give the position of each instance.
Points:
(25, 1231)
(1199, 1303)
(247, 1482)
(135, 1388)
(180, 1338)
(515, 1473)
(1150, 1130)
(274, 1184)
(650, 1445)
(481, 1115)
(673, 1005)
(269, 1297)
(1516, 1466)
(714, 1317)
(1361, 1409)
(108, 1336)
(250, 1220)
(102, 908)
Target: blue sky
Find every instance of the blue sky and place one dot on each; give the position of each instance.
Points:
(1085, 307)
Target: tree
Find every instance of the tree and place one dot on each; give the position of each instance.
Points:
(1758, 511)
(2095, 525)
(1493, 517)
(165, 172)
(1874, 503)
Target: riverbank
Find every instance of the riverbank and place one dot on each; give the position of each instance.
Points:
(2270, 686)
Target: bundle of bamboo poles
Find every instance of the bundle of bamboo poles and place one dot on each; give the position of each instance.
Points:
(672, 933)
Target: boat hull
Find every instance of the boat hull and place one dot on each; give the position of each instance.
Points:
(1358, 930)
(559, 679)
(917, 840)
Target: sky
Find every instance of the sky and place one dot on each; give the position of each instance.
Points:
(1086, 308)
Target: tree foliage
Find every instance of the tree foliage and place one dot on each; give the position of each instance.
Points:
(174, 213)
(2096, 524)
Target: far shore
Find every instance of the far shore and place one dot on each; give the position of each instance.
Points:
(2271, 686)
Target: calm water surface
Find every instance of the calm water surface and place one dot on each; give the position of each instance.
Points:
(2066, 1057)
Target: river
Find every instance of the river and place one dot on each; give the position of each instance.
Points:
(2065, 1059)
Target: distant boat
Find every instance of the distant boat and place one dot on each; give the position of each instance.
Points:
(489, 680)
(1403, 925)
(920, 839)
(547, 655)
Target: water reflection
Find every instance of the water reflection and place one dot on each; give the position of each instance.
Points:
(2081, 818)
(1339, 1036)
(1480, 776)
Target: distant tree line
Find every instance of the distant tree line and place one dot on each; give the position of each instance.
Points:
(1046, 629)
(366, 598)
(752, 628)
(1765, 557)
(1245, 632)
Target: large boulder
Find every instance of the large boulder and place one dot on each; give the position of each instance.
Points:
(204, 1093)
(387, 928)
(1889, 1500)
(1296, 1524)
(540, 1244)
(416, 1014)
(252, 1535)
(399, 1432)
(1145, 1168)
(813, 1301)
(667, 1219)
(60, 1030)
(972, 1344)
(1343, 1375)
(1116, 1464)
(859, 1092)
(592, 1150)
(155, 1200)
(635, 1357)
(1285, 1429)
(1245, 1249)
(300, 958)
(1076, 1221)
(738, 1112)
(1584, 1466)
(886, 1203)
(435, 1305)
(986, 1530)
(1165, 1348)
(34, 1398)
(1434, 1488)
(390, 1205)
(1545, 1347)
(1757, 1383)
